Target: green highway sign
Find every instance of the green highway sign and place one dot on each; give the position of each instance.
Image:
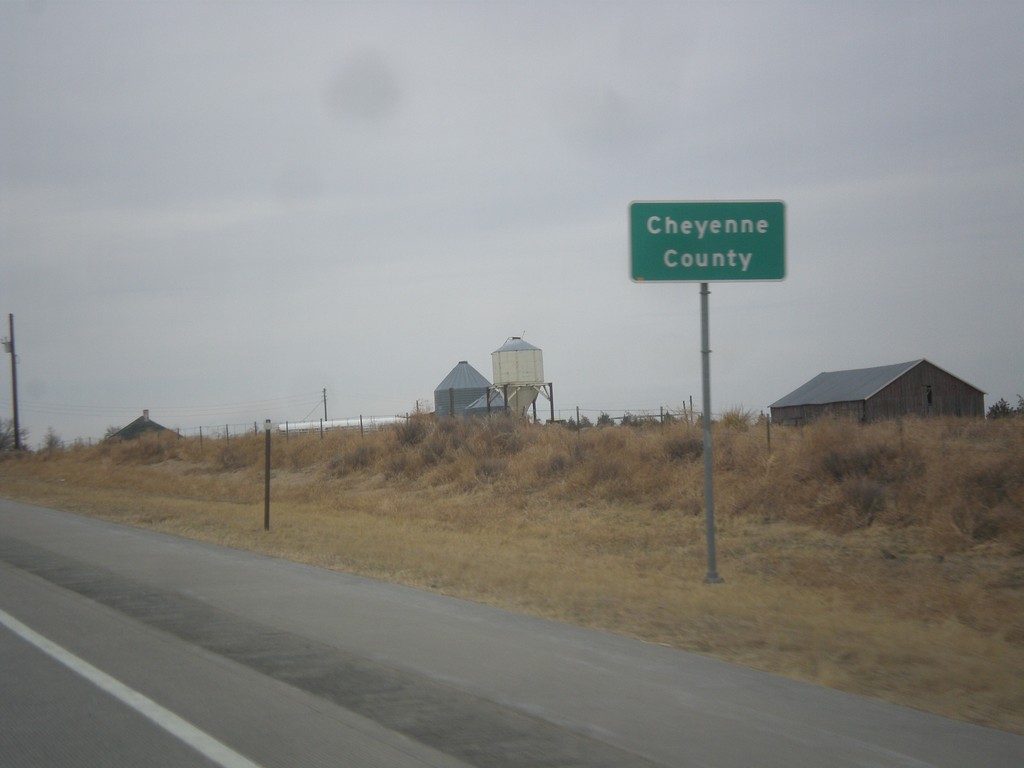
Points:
(707, 241)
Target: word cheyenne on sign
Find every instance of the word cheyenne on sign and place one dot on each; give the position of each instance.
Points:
(708, 241)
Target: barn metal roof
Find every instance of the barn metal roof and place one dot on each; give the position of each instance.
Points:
(463, 376)
(845, 386)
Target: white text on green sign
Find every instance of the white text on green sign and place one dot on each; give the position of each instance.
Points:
(707, 241)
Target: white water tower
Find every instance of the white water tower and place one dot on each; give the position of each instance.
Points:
(519, 371)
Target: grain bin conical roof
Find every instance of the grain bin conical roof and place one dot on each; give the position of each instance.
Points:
(463, 385)
(463, 376)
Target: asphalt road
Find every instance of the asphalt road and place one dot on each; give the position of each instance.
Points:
(123, 647)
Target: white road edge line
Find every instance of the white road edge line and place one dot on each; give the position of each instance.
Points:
(202, 742)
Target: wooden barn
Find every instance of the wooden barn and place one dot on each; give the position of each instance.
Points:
(917, 388)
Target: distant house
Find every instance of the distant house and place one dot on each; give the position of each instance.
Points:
(137, 428)
(917, 388)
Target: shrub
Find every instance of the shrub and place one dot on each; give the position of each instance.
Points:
(684, 447)
(362, 456)
(738, 419)
(52, 442)
(866, 499)
(346, 462)
(412, 431)
(1002, 409)
(842, 461)
(7, 440)
(498, 436)
(641, 420)
(558, 464)
(583, 423)
(231, 458)
(490, 469)
(435, 448)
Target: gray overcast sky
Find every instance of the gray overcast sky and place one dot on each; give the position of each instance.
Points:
(215, 210)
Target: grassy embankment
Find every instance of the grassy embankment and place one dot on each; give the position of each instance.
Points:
(885, 560)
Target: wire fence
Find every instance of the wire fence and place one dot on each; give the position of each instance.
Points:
(757, 425)
(285, 428)
(577, 416)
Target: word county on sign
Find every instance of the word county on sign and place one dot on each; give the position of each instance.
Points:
(708, 241)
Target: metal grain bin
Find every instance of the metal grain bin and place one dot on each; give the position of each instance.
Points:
(460, 389)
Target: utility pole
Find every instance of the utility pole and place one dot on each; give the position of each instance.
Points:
(325, 404)
(9, 347)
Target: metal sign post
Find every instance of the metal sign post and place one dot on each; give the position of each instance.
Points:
(266, 479)
(709, 480)
(703, 242)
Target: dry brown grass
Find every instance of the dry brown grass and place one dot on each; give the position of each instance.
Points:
(885, 560)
